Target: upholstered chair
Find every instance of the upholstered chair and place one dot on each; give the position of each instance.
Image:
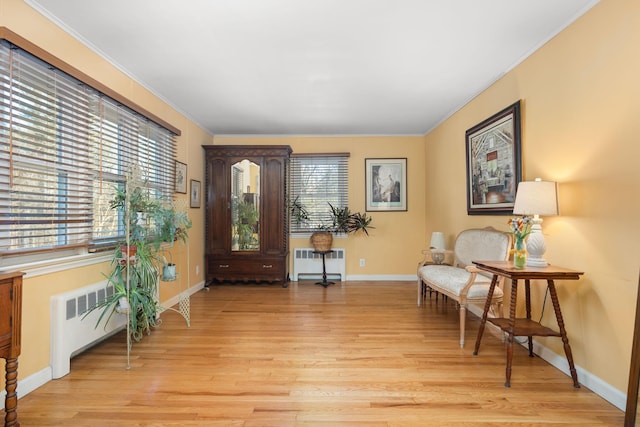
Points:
(462, 281)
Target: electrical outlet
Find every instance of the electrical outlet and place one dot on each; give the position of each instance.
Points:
(197, 270)
(362, 263)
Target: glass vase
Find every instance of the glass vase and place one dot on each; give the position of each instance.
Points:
(519, 253)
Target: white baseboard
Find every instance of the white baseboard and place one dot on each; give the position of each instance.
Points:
(585, 378)
(42, 377)
(383, 277)
(192, 290)
(30, 383)
(594, 383)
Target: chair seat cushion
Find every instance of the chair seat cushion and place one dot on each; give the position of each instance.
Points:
(453, 279)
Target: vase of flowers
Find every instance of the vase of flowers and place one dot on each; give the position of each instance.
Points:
(520, 227)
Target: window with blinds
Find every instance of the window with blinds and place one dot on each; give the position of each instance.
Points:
(64, 149)
(317, 180)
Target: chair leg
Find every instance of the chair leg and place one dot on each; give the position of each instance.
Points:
(463, 317)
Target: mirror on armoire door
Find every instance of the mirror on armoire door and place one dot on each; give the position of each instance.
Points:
(630, 416)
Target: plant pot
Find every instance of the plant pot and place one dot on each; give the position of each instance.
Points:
(321, 241)
(128, 251)
(169, 272)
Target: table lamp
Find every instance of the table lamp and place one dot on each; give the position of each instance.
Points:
(437, 244)
(536, 198)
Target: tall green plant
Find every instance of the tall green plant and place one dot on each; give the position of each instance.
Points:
(135, 279)
(139, 298)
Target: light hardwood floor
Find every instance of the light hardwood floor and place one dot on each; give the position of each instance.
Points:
(353, 354)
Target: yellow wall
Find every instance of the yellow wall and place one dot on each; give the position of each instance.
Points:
(581, 120)
(394, 246)
(21, 19)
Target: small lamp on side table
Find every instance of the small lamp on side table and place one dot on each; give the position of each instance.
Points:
(437, 247)
(536, 198)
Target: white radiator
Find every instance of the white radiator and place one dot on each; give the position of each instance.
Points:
(307, 265)
(71, 332)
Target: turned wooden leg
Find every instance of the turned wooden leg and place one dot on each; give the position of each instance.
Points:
(512, 328)
(11, 401)
(487, 306)
(563, 332)
(527, 297)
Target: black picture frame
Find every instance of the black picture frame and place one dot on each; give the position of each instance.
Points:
(386, 184)
(494, 163)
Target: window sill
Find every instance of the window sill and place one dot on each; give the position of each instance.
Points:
(40, 268)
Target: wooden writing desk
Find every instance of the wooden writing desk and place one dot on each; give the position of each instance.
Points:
(525, 326)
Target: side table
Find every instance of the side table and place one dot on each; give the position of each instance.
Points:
(525, 326)
(10, 340)
(324, 282)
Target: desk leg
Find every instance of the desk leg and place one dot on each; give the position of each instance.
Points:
(11, 400)
(563, 332)
(487, 307)
(512, 328)
(527, 297)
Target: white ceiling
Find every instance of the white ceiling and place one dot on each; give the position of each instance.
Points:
(315, 67)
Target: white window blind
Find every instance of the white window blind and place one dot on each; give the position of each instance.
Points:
(63, 148)
(317, 180)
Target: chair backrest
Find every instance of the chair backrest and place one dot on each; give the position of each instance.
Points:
(486, 244)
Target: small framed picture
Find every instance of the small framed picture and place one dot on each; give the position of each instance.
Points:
(195, 194)
(181, 178)
(386, 184)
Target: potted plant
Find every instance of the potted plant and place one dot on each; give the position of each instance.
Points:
(245, 225)
(168, 269)
(134, 282)
(171, 224)
(134, 273)
(341, 221)
(135, 208)
(299, 212)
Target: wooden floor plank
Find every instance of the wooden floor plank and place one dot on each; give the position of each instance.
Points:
(352, 354)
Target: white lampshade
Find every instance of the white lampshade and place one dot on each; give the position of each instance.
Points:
(437, 241)
(536, 198)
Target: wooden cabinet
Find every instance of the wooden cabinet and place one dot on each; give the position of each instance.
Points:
(246, 218)
(10, 322)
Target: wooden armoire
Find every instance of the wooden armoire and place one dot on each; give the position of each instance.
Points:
(246, 218)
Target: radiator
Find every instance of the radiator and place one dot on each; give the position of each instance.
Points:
(71, 332)
(307, 265)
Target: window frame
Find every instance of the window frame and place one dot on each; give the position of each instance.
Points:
(334, 191)
(150, 125)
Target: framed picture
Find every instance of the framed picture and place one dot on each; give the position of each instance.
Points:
(386, 184)
(494, 163)
(195, 194)
(181, 178)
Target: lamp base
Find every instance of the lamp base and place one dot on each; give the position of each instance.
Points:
(536, 262)
(536, 246)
